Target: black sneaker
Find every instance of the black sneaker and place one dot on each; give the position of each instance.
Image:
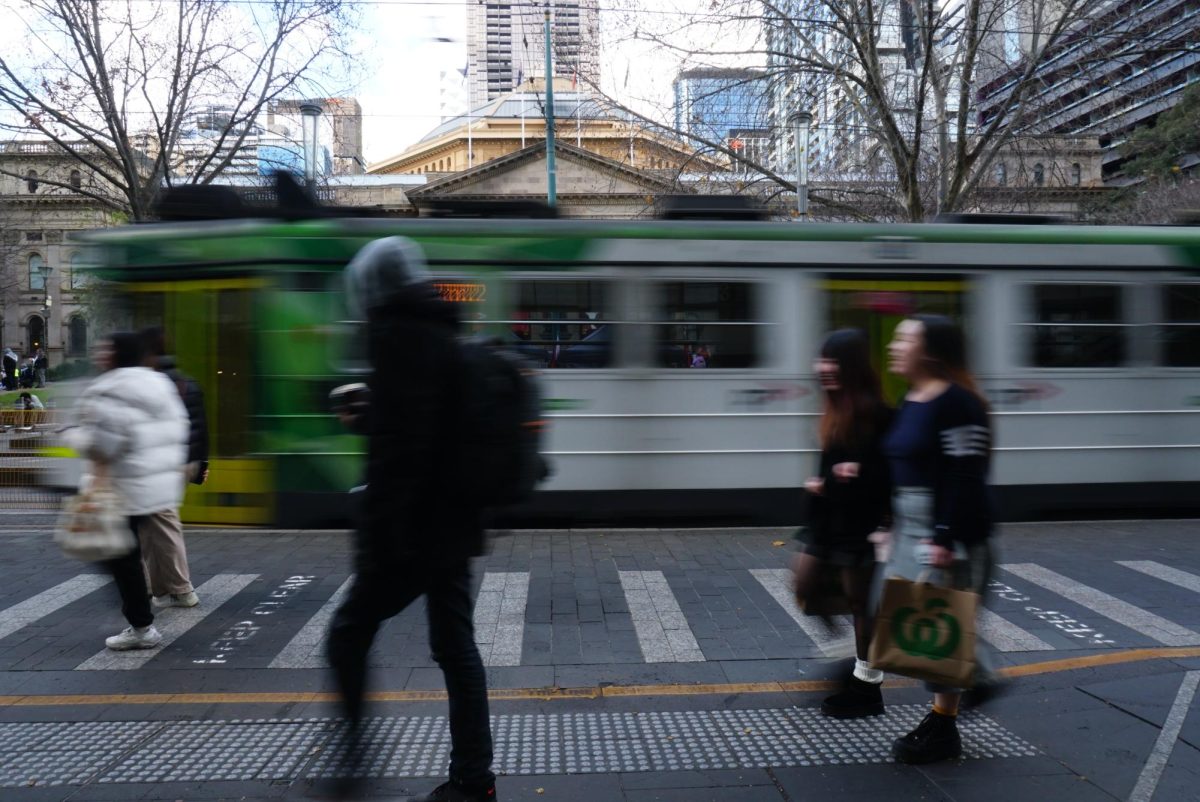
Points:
(935, 738)
(856, 699)
(452, 792)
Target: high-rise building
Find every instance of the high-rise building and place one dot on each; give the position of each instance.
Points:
(716, 102)
(506, 44)
(1102, 80)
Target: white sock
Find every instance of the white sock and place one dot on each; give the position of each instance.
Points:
(864, 672)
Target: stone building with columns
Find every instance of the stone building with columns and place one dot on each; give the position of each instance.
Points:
(42, 289)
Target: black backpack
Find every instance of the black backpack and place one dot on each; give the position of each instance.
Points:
(501, 427)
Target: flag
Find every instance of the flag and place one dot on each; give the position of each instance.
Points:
(575, 78)
(466, 67)
(520, 77)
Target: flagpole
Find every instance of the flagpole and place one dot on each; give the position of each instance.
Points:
(551, 177)
(578, 113)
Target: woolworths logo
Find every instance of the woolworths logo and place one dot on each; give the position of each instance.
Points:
(934, 635)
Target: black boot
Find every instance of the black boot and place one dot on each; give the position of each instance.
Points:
(856, 699)
(452, 792)
(935, 738)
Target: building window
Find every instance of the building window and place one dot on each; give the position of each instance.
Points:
(1181, 329)
(36, 329)
(707, 324)
(1078, 326)
(1039, 175)
(37, 272)
(563, 324)
(31, 181)
(76, 179)
(78, 279)
(1076, 174)
(77, 337)
(1001, 175)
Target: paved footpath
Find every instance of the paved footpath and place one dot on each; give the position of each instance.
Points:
(624, 665)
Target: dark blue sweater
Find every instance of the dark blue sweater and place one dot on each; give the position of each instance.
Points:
(944, 444)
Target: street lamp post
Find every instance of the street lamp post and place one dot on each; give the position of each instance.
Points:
(801, 124)
(309, 113)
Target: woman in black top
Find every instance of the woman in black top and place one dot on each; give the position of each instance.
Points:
(848, 501)
(939, 448)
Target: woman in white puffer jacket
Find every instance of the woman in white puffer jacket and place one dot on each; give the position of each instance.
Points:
(133, 427)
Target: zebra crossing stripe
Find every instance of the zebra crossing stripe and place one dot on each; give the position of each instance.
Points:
(173, 622)
(500, 617)
(1164, 572)
(306, 648)
(778, 583)
(48, 601)
(661, 628)
(1006, 636)
(1160, 629)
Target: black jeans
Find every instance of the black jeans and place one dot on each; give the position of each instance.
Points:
(375, 597)
(130, 580)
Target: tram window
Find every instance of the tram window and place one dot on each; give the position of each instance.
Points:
(1078, 326)
(708, 324)
(563, 324)
(1181, 329)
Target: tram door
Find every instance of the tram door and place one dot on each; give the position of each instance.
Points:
(209, 329)
(877, 307)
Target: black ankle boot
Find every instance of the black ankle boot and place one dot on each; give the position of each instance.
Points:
(935, 738)
(452, 792)
(856, 699)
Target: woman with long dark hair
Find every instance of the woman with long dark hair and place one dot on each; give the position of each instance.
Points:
(848, 501)
(939, 449)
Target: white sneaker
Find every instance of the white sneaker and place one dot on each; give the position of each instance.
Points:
(134, 638)
(189, 599)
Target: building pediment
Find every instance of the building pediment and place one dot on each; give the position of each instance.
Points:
(523, 174)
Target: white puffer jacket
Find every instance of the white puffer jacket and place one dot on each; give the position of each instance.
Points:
(132, 421)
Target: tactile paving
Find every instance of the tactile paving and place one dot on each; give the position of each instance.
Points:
(419, 746)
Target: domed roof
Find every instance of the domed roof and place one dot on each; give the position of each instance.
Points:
(531, 106)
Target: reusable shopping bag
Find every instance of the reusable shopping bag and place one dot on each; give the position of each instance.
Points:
(91, 527)
(926, 631)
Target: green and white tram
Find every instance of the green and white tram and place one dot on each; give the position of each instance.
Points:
(677, 355)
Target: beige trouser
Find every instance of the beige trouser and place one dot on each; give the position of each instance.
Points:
(164, 557)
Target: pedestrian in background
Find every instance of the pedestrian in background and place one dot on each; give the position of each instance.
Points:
(164, 552)
(132, 428)
(417, 534)
(848, 502)
(939, 447)
(40, 366)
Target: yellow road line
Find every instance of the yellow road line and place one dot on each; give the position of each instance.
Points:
(593, 692)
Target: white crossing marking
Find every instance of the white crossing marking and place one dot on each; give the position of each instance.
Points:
(1164, 572)
(49, 601)
(1152, 772)
(306, 649)
(1153, 626)
(778, 582)
(173, 622)
(662, 631)
(500, 617)
(1006, 636)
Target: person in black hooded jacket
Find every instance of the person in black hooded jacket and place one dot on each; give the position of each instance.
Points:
(415, 536)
